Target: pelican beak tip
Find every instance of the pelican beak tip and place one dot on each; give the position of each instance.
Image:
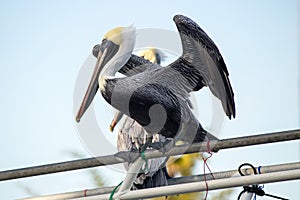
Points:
(111, 128)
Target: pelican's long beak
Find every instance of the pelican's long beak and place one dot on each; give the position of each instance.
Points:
(106, 51)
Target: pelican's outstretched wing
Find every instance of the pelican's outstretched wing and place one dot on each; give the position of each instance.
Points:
(202, 63)
(137, 64)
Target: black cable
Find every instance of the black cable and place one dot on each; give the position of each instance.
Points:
(246, 164)
(255, 189)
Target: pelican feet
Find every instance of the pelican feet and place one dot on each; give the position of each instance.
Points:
(163, 146)
(146, 145)
(130, 157)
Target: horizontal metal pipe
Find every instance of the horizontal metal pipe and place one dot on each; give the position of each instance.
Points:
(201, 186)
(178, 150)
(173, 181)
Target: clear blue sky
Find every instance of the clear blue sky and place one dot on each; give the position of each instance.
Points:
(44, 43)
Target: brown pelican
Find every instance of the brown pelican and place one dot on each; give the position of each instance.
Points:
(157, 98)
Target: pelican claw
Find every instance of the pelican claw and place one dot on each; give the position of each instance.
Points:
(163, 146)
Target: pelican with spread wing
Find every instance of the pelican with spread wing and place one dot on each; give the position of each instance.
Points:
(158, 97)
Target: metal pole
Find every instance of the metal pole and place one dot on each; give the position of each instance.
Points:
(178, 150)
(173, 181)
(201, 186)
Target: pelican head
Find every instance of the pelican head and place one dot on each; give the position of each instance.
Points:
(114, 51)
(153, 55)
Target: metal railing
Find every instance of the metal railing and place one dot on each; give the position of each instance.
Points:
(290, 171)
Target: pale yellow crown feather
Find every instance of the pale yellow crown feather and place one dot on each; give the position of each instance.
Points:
(114, 35)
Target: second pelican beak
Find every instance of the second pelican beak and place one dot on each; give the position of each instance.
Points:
(115, 121)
